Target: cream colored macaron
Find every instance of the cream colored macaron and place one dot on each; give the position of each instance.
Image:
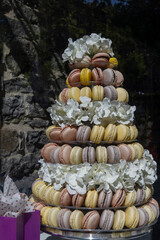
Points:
(52, 216)
(76, 218)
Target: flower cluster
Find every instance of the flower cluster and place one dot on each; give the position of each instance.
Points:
(87, 45)
(95, 112)
(80, 178)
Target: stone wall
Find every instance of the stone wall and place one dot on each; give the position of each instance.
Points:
(26, 97)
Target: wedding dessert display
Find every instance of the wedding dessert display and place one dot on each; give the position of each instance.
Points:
(96, 179)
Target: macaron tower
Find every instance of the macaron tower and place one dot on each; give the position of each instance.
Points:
(95, 176)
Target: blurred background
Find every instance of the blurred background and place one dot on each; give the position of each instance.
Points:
(33, 36)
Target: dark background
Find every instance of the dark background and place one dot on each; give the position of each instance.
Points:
(134, 30)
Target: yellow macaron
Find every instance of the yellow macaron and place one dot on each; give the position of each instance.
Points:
(74, 93)
(54, 197)
(76, 218)
(122, 132)
(85, 76)
(91, 199)
(97, 134)
(44, 213)
(130, 198)
(119, 220)
(140, 149)
(52, 216)
(131, 217)
(123, 95)
(101, 154)
(97, 93)
(86, 92)
(113, 62)
(110, 133)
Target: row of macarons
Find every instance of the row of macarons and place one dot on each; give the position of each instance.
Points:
(96, 134)
(97, 93)
(132, 217)
(65, 154)
(86, 76)
(92, 199)
(102, 60)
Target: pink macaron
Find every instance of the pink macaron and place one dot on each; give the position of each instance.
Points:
(97, 75)
(78, 199)
(119, 78)
(110, 92)
(65, 198)
(68, 133)
(64, 95)
(89, 155)
(54, 155)
(108, 77)
(140, 196)
(54, 134)
(126, 152)
(91, 220)
(143, 217)
(74, 78)
(118, 198)
(63, 218)
(83, 134)
(47, 148)
(64, 154)
(106, 220)
(104, 199)
(100, 60)
(113, 154)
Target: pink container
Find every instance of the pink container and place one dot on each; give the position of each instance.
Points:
(24, 227)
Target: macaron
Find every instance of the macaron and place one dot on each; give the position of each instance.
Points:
(65, 199)
(122, 132)
(130, 199)
(89, 155)
(63, 218)
(100, 60)
(64, 154)
(39, 205)
(41, 193)
(131, 217)
(74, 78)
(108, 76)
(110, 93)
(97, 134)
(97, 93)
(134, 151)
(78, 199)
(113, 154)
(48, 130)
(52, 216)
(47, 193)
(126, 152)
(143, 217)
(150, 212)
(68, 133)
(74, 93)
(101, 154)
(123, 95)
(110, 133)
(91, 199)
(54, 155)
(83, 134)
(118, 198)
(76, 219)
(86, 92)
(91, 220)
(47, 148)
(153, 201)
(54, 133)
(113, 62)
(36, 187)
(148, 192)
(154, 208)
(106, 220)
(63, 97)
(97, 75)
(119, 220)
(85, 76)
(133, 132)
(54, 197)
(104, 199)
(139, 148)
(119, 78)
(76, 155)
(140, 196)
(44, 213)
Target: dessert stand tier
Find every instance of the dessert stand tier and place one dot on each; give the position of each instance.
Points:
(97, 234)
